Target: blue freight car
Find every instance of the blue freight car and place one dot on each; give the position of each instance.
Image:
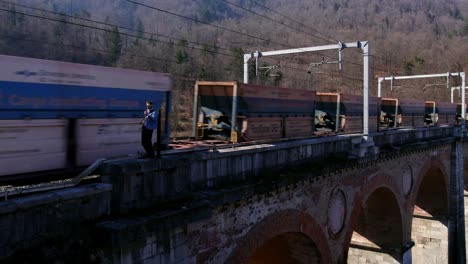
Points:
(56, 114)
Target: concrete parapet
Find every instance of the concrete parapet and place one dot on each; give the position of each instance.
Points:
(400, 137)
(25, 222)
(139, 184)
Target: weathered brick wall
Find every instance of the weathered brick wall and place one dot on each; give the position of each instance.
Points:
(294, 248)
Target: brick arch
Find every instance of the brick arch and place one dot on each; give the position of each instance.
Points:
(427, 228)
(276, 224)
(432, 164)
(378, 181)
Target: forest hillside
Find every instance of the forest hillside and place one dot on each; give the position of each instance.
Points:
(206, 39)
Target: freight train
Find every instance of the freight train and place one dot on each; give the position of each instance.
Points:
(245, 112)
(56, 115)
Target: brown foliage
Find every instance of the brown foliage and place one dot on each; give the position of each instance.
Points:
(406, 37)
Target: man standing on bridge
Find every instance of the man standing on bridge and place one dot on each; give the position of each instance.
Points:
(149, 123)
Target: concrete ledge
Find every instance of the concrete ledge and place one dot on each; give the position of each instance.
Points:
(29, 221)
(276, 146)
(7, 207)
(82, 191)
(36, 200)
(410, 135)
(140, 184)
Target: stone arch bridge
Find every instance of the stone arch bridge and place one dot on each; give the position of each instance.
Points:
(396, 198)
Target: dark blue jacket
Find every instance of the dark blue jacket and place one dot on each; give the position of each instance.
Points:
(151, 120)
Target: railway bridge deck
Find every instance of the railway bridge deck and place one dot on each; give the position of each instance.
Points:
(398, 197)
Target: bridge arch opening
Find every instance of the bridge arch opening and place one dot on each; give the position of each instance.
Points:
(377, 236)
(289, 236)
(429, 228)
(287, 248)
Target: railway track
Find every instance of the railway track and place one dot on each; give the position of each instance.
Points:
(23, 184)
(26, 184)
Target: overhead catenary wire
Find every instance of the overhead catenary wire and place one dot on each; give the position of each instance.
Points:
(86, 49)
(284, 16)
(102, 29)
(208, 45)
(302, 24)
(110, 31)
(205, 23)
(329, 39)
(220, 27)
(332, 75)
(111, 25)
(276, 21)
(171, 38)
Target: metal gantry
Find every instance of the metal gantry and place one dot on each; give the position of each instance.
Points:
(452, 90)
(446, 75)
(363, 45)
